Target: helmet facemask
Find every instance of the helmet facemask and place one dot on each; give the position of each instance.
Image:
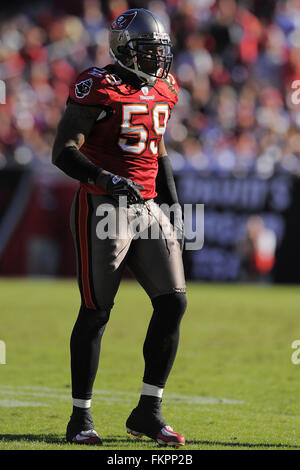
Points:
(147, 58)
(150, 58)
(140, 44)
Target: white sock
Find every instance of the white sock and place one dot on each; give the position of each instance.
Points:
(81, 403)
(152, 390)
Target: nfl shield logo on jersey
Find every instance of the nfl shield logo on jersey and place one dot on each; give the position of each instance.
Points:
(83, 88)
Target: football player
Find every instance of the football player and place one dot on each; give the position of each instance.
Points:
(110, 138)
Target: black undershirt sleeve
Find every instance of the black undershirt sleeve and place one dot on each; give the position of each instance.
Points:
(72, 162)
(166, 193)
(165, 184)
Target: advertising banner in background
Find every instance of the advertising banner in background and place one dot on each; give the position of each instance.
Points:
(235, 209)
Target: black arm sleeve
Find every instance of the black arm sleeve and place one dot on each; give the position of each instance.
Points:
(165, 184)
(72, 162)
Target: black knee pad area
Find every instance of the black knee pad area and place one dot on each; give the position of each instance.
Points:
(171, 304)
(92, 320)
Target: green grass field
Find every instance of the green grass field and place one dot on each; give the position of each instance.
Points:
(233, 385)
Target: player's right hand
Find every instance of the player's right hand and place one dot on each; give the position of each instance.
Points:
(119, 186)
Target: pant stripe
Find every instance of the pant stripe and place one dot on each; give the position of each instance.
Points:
(77, 243)
(89, 237)
(83, 214)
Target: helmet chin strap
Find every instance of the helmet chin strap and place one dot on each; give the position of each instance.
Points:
(148, 78)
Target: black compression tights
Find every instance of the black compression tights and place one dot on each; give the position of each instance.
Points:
(162, 337)
(159, 349)
(85, 350)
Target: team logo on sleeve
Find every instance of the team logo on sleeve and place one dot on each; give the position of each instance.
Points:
(83, 88)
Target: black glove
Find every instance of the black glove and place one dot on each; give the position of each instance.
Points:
(119, 186)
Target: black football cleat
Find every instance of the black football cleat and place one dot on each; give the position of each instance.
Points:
(88, 438)
(151, 424)
(81, 431)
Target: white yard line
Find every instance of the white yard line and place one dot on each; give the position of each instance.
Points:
(14, 403)
(104, 395)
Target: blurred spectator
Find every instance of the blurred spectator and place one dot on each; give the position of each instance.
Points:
(257, 250)
(234, 60)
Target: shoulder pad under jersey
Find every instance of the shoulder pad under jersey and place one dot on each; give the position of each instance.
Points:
(168, 88)
(90, 87)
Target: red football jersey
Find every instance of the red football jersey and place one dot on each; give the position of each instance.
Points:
(124, 140)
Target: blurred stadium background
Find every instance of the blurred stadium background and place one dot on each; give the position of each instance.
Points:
(234, 137)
